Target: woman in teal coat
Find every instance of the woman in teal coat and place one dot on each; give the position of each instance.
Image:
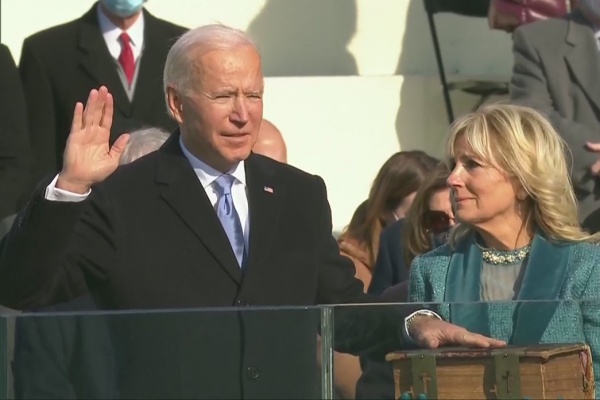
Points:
(518, 267)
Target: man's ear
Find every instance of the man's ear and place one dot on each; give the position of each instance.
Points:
(175, 104)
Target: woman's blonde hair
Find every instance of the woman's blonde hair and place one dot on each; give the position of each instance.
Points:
(521, 143)
(415, 239)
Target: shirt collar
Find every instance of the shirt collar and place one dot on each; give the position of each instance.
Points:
(208, 174)
(112, 32)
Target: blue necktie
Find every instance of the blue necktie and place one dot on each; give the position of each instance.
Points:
(229, 217)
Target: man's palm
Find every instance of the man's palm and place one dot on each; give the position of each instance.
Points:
(88, 157)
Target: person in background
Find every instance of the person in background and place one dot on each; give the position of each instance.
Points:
(142, 142)
(118, 44)
(425, 227)
(556, 64)
(14, 144)
(390, 198)
(518, 250)
(592, 222)
(270, 142)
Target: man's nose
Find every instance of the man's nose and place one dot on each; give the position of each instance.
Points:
(240, 110)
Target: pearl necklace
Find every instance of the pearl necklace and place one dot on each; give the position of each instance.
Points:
(498, 257)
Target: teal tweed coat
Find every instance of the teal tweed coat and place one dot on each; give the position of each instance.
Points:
(559, 300)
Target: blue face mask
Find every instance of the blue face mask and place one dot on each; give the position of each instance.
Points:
(123, 8)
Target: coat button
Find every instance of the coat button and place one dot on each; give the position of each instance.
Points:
(252, 372)
(241, 303)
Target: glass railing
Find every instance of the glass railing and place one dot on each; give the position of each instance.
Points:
(298, 352)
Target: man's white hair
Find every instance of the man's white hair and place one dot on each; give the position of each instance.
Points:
(179, 65)
(142, 142)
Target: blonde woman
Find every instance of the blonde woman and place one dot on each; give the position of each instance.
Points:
(518, 237)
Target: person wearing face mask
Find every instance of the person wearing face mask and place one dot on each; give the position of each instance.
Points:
(118, 44)
(556, 66)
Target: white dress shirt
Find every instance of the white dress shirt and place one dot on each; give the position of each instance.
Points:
(111, 34)
(239, 194)
(207, 176)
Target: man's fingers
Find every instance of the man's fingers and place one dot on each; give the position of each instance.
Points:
(595, 168)
(433, 333)
(496, 342)
(433, 343)
(100, 105)
(457, 337)
(428, 341)
(476, 340)
(107, 114)
(593, 146)
(77, 118)
(119, 146)
(88, 111)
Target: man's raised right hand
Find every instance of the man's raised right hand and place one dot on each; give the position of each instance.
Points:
(88, 158)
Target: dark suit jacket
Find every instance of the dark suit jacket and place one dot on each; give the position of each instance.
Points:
(592, 222)
(389, 267)
(556, 71)
(60, 355)
(390, 281)
(59, 66)
(148, 238)
(14, 140)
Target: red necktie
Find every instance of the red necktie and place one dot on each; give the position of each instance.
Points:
(126, 57)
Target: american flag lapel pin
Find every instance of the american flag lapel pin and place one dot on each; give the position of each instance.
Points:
(268, 189)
